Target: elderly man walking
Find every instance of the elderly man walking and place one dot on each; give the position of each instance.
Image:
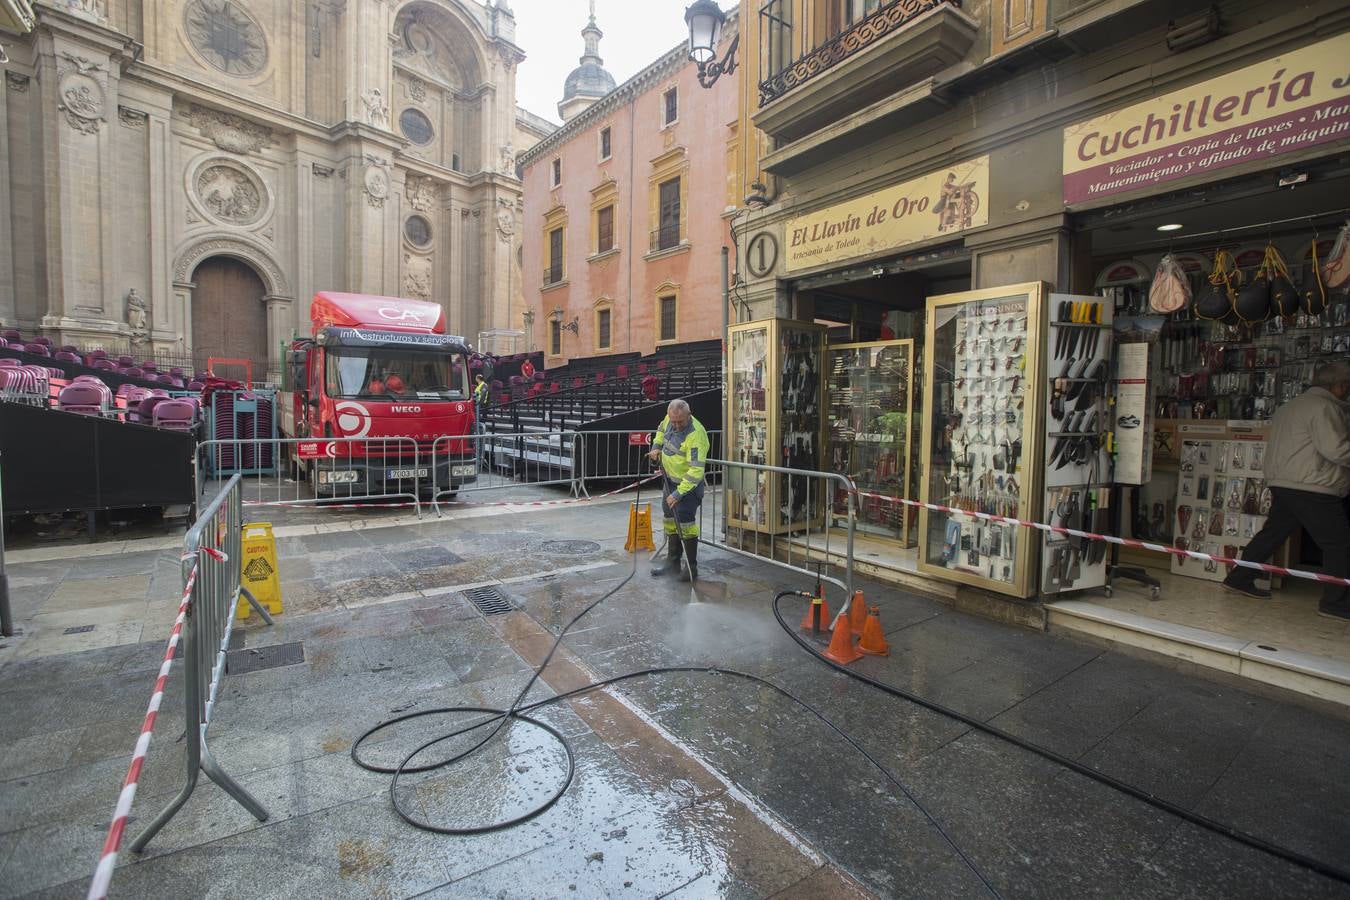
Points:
(1308, 471)
(681, 443)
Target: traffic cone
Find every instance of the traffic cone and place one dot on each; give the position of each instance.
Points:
(810, 622)
(873, 641)
(841, 648)
(857, 614)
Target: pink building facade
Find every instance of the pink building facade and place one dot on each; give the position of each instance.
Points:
(627, 208)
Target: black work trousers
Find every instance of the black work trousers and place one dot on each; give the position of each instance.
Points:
(1324, 517)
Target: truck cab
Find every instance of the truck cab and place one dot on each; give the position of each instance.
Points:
(382, 372)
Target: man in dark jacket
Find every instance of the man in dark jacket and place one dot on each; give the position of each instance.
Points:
(1307, 469)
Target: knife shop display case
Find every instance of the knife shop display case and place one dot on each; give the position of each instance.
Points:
(1078, 467)
(1222, 496)
(982, 433)
(775, 417)
(870, 421)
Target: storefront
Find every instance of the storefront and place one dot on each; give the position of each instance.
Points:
(1024, 373)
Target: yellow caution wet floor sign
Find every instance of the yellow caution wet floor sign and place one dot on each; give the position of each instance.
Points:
(639, 528)
(258, 569)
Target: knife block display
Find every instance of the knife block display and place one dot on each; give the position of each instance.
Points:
(1079, 343)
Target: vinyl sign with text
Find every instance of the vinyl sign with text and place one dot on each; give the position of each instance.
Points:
(947, 201)
(1293, 101)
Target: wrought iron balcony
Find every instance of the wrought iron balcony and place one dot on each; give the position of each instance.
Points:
(892, 47)
(553, 274)
(667, 237)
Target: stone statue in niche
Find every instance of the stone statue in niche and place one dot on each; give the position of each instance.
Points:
(229, 194)
(138, 318)
(508, 160)
(416, 277)
(376, 111)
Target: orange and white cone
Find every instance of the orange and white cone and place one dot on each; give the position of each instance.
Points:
(841, 648)
(873, 640)
(857, 614)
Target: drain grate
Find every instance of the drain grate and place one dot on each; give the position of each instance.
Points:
(79, 629)
(489, 600)
(568, 548)
(238, 662)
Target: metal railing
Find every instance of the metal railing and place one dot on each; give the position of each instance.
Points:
(213, 546)
(608, 455)
(787, 71)
(667, 237)
(314, 471)
(553, 274)
(506, 460)
(793, 540)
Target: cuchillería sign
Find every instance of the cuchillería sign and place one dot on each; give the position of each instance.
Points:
(1288, 103)
(947, 201)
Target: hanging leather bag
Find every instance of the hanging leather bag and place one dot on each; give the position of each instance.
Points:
(1283, 295)
(1313, 297)
(1215, 302)
(1336, 269)
(1171, 289)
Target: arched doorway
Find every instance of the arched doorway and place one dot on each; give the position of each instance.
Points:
(229, 315)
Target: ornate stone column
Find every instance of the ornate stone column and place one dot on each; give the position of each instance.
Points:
(279, 328)
(181, 316)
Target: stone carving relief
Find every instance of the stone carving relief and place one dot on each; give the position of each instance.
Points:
(416, 276)
(81, 94)
(421, 193)
(418, 49)
(191, 217)
(377, 113)
(229, 132)
(417, 90)
(138, 318)
(375, 181)
(506, 220)
(92, 10)
(17, 81)
(509, 160)
(229, 194)
(132, 118)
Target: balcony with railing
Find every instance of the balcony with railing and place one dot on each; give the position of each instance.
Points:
(853, 63)
(667, 237)
(553, 273)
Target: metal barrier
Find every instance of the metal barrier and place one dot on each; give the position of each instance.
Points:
(213, 547)
(513, 459)
(792, 540)
(606, 455)
(343, 470)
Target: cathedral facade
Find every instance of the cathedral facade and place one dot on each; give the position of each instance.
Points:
(179, 178)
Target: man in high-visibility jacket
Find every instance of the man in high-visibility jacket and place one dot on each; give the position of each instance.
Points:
(681, 443)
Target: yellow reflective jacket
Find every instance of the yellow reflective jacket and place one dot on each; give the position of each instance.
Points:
(683, 453)
(480, 393)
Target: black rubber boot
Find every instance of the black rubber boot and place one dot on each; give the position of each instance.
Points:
(691, 559)
(674, 550)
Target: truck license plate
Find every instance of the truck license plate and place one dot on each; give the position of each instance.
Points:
(339, 476)
(467, 469)
(391, 474)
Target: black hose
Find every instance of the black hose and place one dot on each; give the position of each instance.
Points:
(1228, 831)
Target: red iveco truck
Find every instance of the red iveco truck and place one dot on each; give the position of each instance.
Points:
(378, 367)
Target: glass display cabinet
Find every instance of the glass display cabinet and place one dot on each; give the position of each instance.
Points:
(775, 417)
(982, 436)
(870, 415)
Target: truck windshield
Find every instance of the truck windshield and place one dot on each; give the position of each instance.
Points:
(395, 372)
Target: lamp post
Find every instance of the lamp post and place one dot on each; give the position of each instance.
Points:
(705, 20)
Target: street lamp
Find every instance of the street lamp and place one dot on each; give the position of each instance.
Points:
(566, 326)
(705, 19)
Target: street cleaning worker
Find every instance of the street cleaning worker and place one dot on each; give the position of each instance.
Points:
(480, 393)
(681, 443)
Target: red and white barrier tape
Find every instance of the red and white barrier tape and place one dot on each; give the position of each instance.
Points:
(98, 888)
(1112, 539)
(407, 503)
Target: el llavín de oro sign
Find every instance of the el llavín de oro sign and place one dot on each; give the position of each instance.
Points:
(946, 201)
(1287, 103)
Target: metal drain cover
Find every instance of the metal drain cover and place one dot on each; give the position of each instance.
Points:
(569, 548)
(489, 600)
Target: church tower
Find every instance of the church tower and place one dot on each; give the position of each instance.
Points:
(589, 81)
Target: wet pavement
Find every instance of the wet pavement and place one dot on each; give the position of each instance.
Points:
(686, 784)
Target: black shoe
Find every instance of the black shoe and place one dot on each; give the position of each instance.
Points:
(674, 551)
(1247, 590)
(1334, 610)
(690, 573)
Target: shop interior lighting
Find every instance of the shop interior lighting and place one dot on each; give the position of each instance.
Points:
(1174, 226)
